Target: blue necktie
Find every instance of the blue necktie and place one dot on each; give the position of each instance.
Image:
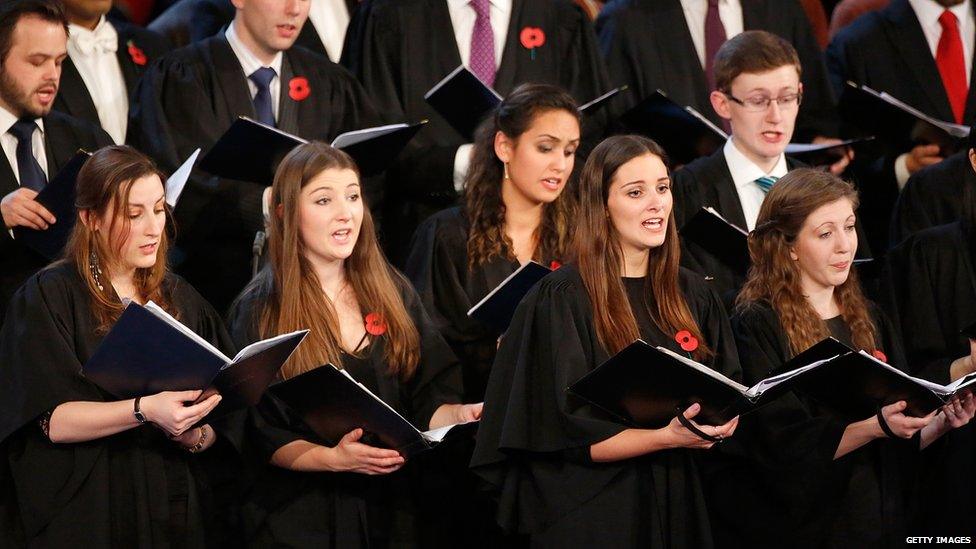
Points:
(262, 100)
(766, 182)
(31, 174)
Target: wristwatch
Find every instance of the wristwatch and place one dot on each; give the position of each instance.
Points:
(140, 417)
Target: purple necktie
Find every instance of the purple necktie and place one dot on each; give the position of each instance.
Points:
(483, 44)
(714, 38)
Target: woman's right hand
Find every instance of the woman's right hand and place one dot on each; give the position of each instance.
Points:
(682, 437)
(350, 455)
(901, 425)
(168, 410)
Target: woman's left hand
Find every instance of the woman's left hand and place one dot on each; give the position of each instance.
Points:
(958, 411)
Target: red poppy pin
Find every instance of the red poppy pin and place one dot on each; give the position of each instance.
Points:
(687, 341)
(137, 55)
(879, 355)
(298, 88)
(554, 265)
(532, 38)
(375, 324)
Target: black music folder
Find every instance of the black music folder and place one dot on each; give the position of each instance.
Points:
(465, 101)
(498, 307)
(718, 236)
(855, 385)
(683, 132)
(251, 151)
(58, 196)
(870, 112)
(823, 154)
(148, 351)
(332, 404)
(646, 386)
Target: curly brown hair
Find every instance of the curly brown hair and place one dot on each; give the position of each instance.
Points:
(774, 278)
(483, 204)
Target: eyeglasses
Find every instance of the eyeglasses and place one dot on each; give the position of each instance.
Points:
(762, 103)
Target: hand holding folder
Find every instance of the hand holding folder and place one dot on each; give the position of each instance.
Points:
(147, 351)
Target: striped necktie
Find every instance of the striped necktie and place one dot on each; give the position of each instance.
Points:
(766, 182)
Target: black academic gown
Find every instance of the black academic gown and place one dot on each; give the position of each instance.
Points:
(341, 509)
(438, 268)
(647, 46)
(933, 196)
(533, 443)
(887, 51)
(73, 97)
(63, 136)
(187, 100)
(189, 21)
(779, 480)
(931, 289)
(124, 490)
(408, 46)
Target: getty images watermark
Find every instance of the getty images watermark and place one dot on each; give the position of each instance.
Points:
(927, 540)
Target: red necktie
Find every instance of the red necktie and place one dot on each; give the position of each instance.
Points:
(951, 61)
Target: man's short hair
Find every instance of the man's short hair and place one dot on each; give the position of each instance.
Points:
(752, 52)
(12, 11)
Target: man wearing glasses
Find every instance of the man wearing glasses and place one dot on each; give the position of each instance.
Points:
(758, 91)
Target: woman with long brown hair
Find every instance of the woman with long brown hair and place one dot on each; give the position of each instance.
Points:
(84, 465)
(514, 210)
(326, 272)
(827, 481)
(570, 475)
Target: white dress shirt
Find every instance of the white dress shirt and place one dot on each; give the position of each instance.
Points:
(463, 18)
(9, 142)
(330, 18)
(744, 174)
(93, 53)
(928, 13)
(250, 63)
(729, 11)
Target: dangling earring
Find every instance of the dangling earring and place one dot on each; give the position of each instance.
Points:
(505, 168)
(96, 271)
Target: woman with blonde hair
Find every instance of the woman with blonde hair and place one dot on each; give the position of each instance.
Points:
(326, 272)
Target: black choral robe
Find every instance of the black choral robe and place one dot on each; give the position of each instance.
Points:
(931, 283)
(340, 509)
(409, 45)
(534, 441)
(438, 268)
(115, 491)
(648, 47)
(933, 196)
(780, 481)
(73, 96)
(187, 100)
(63, 136)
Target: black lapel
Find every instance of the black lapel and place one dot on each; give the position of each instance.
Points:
(8, 181)
(74, 94)
(722, 187)
(309, 38)
(508, 68)
(230, 78)
(754, 15)
(58, 145)
(904, 31)
(129, 71)
(445, 44)
(351, 6)
(971, 98)
(288, 107)
(682, 72)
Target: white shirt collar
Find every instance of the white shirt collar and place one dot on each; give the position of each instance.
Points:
(7, 120)
(745, 171)
(249, 62)
(504, 6)
(929, 11)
